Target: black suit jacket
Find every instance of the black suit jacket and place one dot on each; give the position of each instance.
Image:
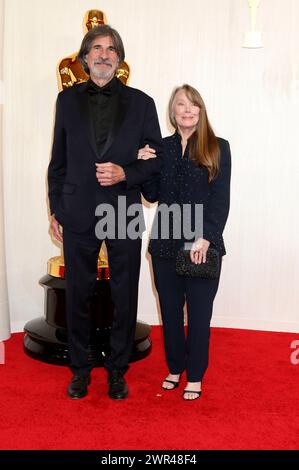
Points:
(74, 191)
(181, 181)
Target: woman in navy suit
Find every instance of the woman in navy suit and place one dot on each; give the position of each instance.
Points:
(197, 169)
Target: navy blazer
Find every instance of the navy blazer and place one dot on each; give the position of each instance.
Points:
(74, 191)
(183, 182)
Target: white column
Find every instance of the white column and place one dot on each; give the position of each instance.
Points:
(4, 311)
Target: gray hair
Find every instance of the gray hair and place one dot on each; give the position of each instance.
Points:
(100, 31)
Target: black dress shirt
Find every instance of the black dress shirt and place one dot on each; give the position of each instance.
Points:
(103, 105)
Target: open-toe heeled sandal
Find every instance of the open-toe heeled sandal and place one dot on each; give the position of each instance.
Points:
(191, 391)
(172, 382)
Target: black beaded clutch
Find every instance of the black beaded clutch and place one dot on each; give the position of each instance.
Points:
(207, 270)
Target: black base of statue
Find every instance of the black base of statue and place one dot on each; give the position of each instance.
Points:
(46, 337)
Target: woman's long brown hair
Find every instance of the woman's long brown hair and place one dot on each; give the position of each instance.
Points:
(203, 144)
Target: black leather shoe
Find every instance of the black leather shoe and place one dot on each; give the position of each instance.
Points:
(118, 389)
(78, 386)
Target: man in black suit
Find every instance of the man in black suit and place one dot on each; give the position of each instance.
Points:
(99, 127)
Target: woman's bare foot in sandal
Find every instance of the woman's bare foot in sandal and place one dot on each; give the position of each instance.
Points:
(192, 391)
(171, 382)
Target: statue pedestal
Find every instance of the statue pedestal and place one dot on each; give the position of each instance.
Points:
(46, 337)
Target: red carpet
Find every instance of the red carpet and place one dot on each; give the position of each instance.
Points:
(249, 401)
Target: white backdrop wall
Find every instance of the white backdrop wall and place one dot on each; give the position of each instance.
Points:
(252, 97)
(4, 310)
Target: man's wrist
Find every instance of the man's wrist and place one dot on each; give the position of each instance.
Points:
(123, 175)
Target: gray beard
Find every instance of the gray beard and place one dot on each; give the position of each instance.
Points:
(102, 74)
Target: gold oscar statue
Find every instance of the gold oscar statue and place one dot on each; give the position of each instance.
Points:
(70, 70)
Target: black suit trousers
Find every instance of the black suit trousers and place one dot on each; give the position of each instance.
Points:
(185, 352)
(81, 256)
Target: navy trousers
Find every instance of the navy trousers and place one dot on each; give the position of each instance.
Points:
(188, 352)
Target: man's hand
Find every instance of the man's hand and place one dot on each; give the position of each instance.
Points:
(198, 252)
(56, 229)
(108, 174)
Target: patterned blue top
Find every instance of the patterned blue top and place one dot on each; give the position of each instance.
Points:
(182, 181)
